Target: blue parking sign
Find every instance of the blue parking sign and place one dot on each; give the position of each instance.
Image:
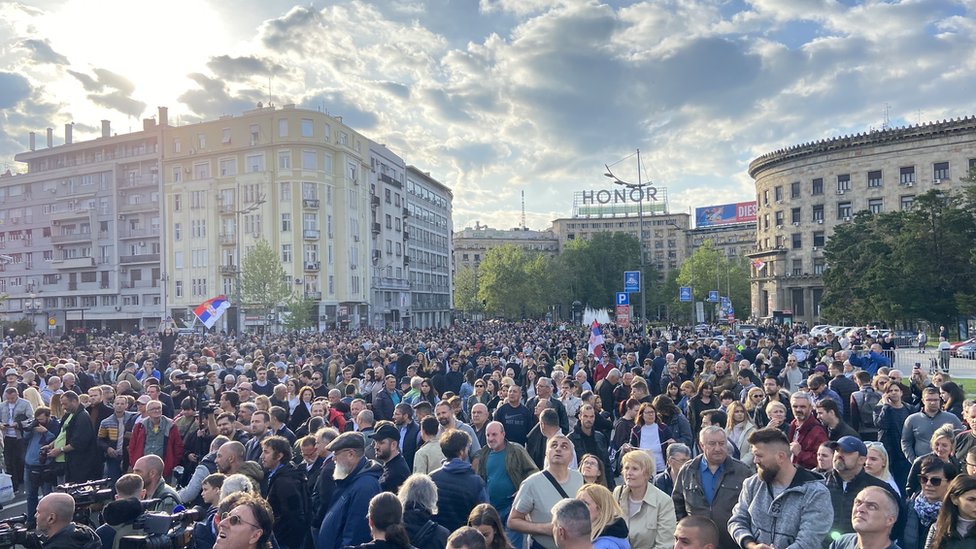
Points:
(632, 282)
(623, 298)
(713, 296)
(684, 294)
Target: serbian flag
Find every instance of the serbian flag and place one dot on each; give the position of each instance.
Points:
(759, 264)
(596, 340)
(211, 310)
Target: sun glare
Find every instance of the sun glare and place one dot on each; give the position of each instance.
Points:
(153, 43)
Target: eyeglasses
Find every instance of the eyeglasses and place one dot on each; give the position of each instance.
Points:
(931, 481)
(234, 520)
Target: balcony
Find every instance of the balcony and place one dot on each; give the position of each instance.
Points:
(374, 201)
(312, 266)
(148, 206)
(390, 283)
(141, 258)
(74, 263)
(137, 233)
(226, 208)
(310, 203)
(71, 237)
(406, 235)
(311, 234)
(377, 228)
(228, 269)
(79, 213)
(227, 239)
(406, 212)
(313, 295)
(389, 180)
(137, 182)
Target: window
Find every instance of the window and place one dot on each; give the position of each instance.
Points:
(876, 205)
(179, 288)
(778, 193)
(255, 163)
(798, 308)
(286, 222)
(351, 171)
(817, 186)
(844, 211)
(795, 189)
(178, 259)
(843, 183)
(285, 194)
(907, 175)
(309, 190)
(198, 199)
(283, 127)
(874, 178)
(177, 145)
(228, 167)
(818, 213)
(389, 221)
(177, 174)
(818, 239)
(797, 241)
(797, 267)
(386, 192)
(779, 218)
(766, 197)
(225, 138)
(972, 164)
(286, 253)
(255, 131)
(795, 215)
(201, 141)
(177, 202)
(389, 247)
(818, 265)
(284, 160)
(940, 171)
(177, 231)
(907, 202)
(309, 160)
(201, 170)
(306, 127)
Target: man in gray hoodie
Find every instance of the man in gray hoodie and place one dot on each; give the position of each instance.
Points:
(782, 505)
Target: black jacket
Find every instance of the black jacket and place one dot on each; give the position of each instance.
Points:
(411, 442)
(74, 536)
(288, 497)
(595, 444)
(422, 529)
(322, 493)
(395, 472)
(81, 463)
(118, 513)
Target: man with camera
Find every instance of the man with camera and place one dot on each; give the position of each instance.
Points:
(53, 516)
(40, 472)
(15, 413)
(120, 515)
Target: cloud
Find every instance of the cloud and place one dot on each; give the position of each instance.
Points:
(42, 52)
(242, 68)
(337, 104)
(112, 80)
(87, 82)
(14, 88)
(119, 101)
(213, 98)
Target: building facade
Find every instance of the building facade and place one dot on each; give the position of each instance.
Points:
(295, 178)
(428, 240)
(805, 191)
(732, 241)
(79, 233)
(389, 286)
(665, 239)
(473, 243)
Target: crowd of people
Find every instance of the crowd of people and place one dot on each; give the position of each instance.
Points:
(497, 435)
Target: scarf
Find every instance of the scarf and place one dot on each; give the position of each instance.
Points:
(927, 512)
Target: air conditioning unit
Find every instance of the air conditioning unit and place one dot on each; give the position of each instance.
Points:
(847, 218)
(796, 223)
(353, 267)
(779, 201)
(936, 181)
(909, 184)
(779, 226)
(142, 244)
(820, 221)
(815, 248)
(841, 191)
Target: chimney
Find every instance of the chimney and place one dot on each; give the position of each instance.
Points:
(50, 137)
(106, 128)
(148, 124)
(67, 133)
(163, 118)
(32, 139)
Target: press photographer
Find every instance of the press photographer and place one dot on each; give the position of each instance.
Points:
(54, 514)
(15, 414)
(42, 472)
(120, 515)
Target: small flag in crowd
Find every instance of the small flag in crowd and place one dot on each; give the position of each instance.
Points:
(759, 264)
(596, 340)
(211, 310)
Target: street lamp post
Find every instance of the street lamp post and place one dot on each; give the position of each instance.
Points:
(640, 225)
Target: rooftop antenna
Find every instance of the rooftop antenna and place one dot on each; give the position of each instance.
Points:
(523, 210)
(887, 119)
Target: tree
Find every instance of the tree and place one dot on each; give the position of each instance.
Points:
(707, 270)
(514, 283)
(466, 291)
(301, 313)
(592, 271)
(264, 283)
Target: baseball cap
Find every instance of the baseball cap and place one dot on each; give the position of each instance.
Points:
(144, 399)
(849, 445)
(385, 430)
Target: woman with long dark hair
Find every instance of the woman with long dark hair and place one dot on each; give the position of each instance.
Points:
(704, 399)
(385, 517)
(890, 420)
(651, 436)
(671, 416)
(956, 526)
(484, 518)
(952, 398)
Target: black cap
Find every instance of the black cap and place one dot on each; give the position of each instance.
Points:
(385, 430)
(348, 440)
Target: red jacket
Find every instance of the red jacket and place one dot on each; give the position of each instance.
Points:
(811, 435)
(173, 446)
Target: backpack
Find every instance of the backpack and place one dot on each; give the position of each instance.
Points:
(865, 409)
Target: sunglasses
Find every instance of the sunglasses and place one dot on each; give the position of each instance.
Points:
(931, 481)
(234, 520)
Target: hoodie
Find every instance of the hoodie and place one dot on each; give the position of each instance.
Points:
(613, 536)
(459, 489)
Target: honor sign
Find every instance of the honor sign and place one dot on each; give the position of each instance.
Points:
(620, 202)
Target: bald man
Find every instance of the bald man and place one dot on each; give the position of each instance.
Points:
(150, 468)
(53, 516)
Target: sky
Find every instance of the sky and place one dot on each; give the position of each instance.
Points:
(496, 97)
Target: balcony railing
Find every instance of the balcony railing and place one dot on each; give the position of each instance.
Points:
(311, 234)
(148, 206)
(141, 258)
(72, 237)
(227, 239)
(313, 295)
(228, 269)
(311, 265)
(310, 203)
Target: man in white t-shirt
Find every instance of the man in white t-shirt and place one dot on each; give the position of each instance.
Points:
(532, 510)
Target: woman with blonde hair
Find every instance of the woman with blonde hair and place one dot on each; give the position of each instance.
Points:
(738, 427)
(648, 512)
(876, 465)
(753, 402)
(776, 412)
(33, 396)
(608, 529)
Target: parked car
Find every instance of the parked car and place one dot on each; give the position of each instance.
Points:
(967, 350)
(819, 330)
(954, 347)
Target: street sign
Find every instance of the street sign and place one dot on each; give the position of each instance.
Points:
(684, 294)
(713, 296)
(623, 298)
(52, 321)
(632, 281)
(623, 315)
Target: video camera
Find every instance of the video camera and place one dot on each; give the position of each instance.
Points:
(193, 381)
(162, 530)
(89, 497)
(13, 531)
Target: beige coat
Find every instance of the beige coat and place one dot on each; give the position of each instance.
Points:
(652, 527)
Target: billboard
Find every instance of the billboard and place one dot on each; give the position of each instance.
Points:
(725, 214)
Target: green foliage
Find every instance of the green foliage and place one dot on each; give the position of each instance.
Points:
(706, 270)
(466, 291)
(264, 283)
(300, 313)
(20, 327)
(514, 283)
(592, 271)
(905, 265)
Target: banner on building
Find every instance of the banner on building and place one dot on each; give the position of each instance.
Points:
(725, 214)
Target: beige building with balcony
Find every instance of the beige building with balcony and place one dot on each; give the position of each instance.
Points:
(293, 177)
(473, 243)
(804, 191)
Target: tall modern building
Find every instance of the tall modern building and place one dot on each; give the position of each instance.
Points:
(473, 243)
(805, 191)
(429, 239)
(80, 232)
(389, 285)
(295, 178)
